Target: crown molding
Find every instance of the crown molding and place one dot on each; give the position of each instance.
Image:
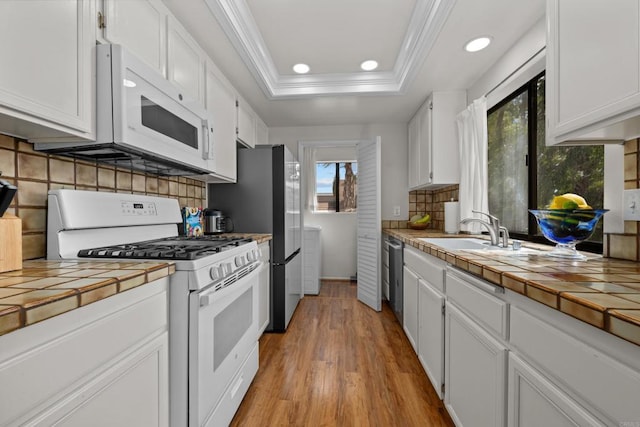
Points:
(237, 22)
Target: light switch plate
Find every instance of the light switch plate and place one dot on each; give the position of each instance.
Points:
(396, 211)
(632, 205)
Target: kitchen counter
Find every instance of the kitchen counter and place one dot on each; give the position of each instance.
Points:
(44, 289)
(258, 237)
(604, 292)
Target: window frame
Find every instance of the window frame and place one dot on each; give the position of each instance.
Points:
(532, 164)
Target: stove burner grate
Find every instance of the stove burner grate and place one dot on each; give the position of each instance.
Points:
(170, 248)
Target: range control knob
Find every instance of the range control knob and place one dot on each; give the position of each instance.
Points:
(226, 268)
(240, 261)
(214, 272)
(251, 256)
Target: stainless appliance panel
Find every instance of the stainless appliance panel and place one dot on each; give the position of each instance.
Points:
(396, 285)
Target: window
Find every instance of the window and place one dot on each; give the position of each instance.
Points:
(341, 197)
(525, 174)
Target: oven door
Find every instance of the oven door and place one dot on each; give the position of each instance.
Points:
(223, 331)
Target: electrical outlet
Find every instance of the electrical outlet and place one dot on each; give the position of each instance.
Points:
(396, 211)
(632, 205)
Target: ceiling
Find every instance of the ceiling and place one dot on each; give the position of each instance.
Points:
(418, 44)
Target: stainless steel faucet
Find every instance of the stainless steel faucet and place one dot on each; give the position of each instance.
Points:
(496, 231)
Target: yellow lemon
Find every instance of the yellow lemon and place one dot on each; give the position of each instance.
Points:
(569, 201)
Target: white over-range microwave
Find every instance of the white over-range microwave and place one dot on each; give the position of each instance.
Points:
(144, 122)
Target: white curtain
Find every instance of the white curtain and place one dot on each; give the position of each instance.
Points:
(472, 137)
(309, 171)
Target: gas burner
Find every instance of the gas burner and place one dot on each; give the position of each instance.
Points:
(172, 248)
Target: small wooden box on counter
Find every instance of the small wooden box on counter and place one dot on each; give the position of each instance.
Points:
(10, 243)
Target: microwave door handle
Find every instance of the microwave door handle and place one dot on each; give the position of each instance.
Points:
(207, 153)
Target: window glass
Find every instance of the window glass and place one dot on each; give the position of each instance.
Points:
(526, 174)
(336, 186)
(508, 147)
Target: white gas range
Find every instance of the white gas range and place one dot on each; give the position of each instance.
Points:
(213, 296)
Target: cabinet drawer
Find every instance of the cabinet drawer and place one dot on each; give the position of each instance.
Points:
(470, 295)
(609, 386)
(427, 267)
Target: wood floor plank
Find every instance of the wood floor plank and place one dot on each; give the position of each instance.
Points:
(340, 364)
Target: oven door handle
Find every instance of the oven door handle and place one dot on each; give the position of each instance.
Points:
(206, 300)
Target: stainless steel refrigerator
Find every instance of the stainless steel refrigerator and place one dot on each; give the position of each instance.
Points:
(266, 199)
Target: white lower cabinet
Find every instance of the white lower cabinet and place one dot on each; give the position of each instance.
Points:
(535, 401)
(475, 372)
(498, 358)
(264, 288)
(431, 305)
(423, 314)
(410, 306)
(105, 364)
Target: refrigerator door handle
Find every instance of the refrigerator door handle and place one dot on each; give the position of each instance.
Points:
(289, 258)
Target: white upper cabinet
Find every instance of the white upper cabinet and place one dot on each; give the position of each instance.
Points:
(433, 141)
(262, 132)
(185, 61)
(414, 147)
(245, 124)
(220, 102)
(140, 26)
(593, 71)
(47, 87)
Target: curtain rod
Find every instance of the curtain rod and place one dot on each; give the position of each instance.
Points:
(524, 64)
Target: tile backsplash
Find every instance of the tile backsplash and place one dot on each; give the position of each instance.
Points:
(626, 245)
(36, 173)
(427, 201)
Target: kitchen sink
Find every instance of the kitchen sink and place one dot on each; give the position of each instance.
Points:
(473, 244)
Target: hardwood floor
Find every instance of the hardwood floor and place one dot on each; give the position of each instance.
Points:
(340, 364)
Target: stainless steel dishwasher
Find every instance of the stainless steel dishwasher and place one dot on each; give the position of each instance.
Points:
(396, 263)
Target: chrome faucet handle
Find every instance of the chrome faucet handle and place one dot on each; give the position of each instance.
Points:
(504, 233)
(494, 219)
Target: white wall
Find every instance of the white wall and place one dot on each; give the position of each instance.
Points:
(338, 233)
(339, 243)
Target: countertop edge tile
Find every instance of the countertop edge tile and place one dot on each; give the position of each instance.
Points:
(536, 271)
(38, 304)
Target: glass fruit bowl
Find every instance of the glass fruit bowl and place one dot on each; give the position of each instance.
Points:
(567, 227)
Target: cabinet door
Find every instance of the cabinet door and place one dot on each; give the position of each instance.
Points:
(264, 289)
(246, 125)
(413, 151)
(46, 74)
(534, 401)
(431, 334)
(425, 171)
(410, 306)
(185, 61)
(220, 102)
(475, 372)
(141, 27)
(133, 392)
(586, 86)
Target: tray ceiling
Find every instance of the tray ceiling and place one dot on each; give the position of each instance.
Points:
(271, 37)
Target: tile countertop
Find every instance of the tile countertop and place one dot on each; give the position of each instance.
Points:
(258, 237)
(604, 292)
(43, 289)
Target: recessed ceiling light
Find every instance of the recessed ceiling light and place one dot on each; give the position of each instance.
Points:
(369, 65)
(477, 44)
(301, 68)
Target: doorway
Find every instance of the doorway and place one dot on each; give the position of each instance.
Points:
(350, 240)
